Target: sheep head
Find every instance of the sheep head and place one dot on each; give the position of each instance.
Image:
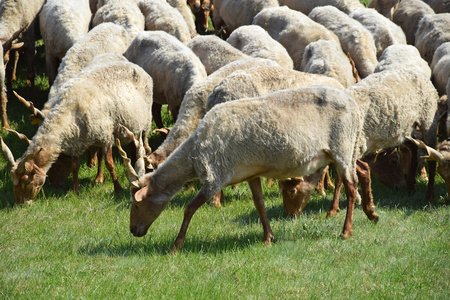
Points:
(28, 178)
(296, 192)
(195, 5)
(144, 210)
(390, 166)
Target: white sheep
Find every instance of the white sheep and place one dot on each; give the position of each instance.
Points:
(327, 58)
(272, 136)
(255, 41)
(14, 16)
(186, 13)
(62, 24)
(432, 31)
(214, 52)
(354, 37)
(441, 67)
(160, 15)
(121, 12)
(407, 14)
(232, 14)
(193, 106)
(293, 30)
(384, 31)
(172, 65)
(399, 57)
(90, 112)
(306, 6)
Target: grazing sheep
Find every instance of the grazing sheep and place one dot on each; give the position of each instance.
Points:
(125, 13)
(391, 114)
(232, 14)
(384, 31)
(327, 58)
(441, 67)
(193, 107)
(432, 31)
(90, 111)
(186, 13)
(293, 30)
(270, 136)
(62, 24)
(354, 37)
(399, 57)
(261, 81)
(214, 52)
(306, 6)
(172, 65)
(407, 14)
(255, 41)
(160, 15)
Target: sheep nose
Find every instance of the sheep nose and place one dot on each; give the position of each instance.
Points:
(133, 230)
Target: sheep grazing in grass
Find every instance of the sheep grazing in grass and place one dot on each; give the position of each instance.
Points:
(90, 111)
(441, 67)
(432, 31)
(354, 37)
(407, 14)
(184, 10)
(255, 41)
(214, 52)
(172, 65)
(231, 14)
(193, 107)
(125, 13)
(293, 30)
(384, 31)
(306, 6)
(62, 23)
(399, 57)
(270, 136)
(160, 15)
(327, 58)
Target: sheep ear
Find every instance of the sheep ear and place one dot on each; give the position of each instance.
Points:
(7, 154)
(140, 194)
(24, 163)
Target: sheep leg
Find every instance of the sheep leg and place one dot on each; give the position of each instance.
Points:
(191, 208)
(3, 104)
(431, 175)
(156, 112)
(363, 173)
(99, 178)
(255, 186)
(75, 170)
(91, 156)
(217, 199)
(328, 182)
(320, 187)
(350, 191)
(109, 162)
(335, 203)
(411, 175)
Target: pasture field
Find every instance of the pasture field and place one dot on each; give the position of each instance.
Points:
(66, 246)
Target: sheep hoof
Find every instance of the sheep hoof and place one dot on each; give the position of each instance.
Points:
(346, 234)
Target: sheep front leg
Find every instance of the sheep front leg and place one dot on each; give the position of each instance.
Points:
(350, 191)
(109, 162)
(334, 209)
(99, 178)
(191, 208)
(363, 172)
(255, 186)
(75, 170)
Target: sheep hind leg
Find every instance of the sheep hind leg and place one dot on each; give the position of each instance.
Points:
(99, 178)
(350, 191)
(109, 163)
(334, 209)
(200, 199)
(255, 186)
(363, 173)
(75, 170)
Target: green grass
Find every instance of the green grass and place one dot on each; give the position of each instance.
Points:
(68, 246)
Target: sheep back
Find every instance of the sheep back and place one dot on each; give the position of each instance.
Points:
(432, 31)
(306, 6)
(441, 67)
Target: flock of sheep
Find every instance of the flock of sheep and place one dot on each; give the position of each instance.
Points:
(319, 82)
